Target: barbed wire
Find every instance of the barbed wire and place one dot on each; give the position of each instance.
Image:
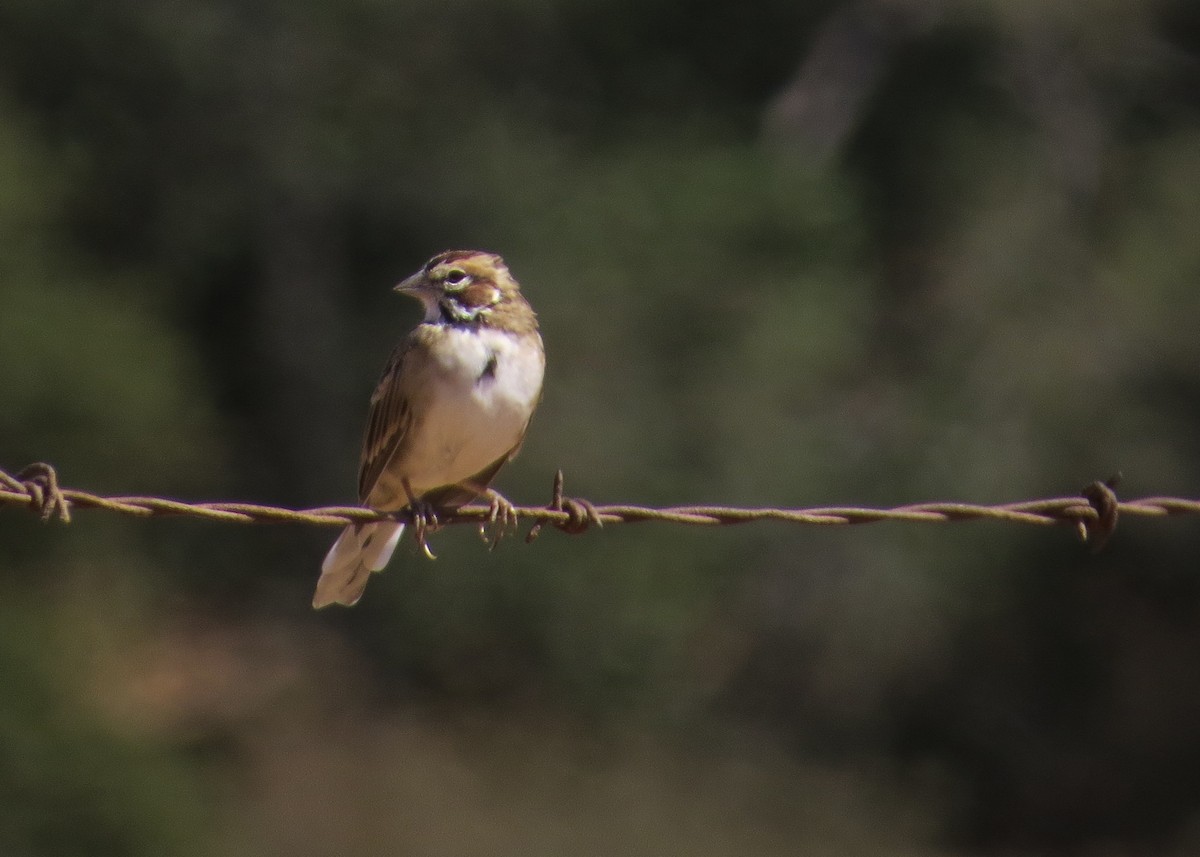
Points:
(1094, 512)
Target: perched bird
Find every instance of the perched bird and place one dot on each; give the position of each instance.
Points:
(451, 409)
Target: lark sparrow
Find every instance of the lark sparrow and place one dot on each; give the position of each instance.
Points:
(451, 409)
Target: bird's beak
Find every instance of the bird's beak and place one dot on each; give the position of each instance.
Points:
(418, 286)
(415, 285)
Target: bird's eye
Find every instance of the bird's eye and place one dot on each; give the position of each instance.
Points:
(455, 276)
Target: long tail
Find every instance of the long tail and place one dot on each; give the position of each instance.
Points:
(359, 550)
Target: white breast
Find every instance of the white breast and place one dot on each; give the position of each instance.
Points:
(475, 414)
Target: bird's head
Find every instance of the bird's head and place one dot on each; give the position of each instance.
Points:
(464, 287)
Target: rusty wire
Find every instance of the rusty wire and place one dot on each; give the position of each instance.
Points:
(1094, 512)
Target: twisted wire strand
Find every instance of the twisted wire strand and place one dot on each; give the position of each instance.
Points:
(1094, 513)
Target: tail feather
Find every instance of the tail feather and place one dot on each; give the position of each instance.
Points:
(359, 550)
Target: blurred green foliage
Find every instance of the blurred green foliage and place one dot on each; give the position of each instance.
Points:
(783, 253)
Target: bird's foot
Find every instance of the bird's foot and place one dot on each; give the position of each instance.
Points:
(501, 519)
(424, 520)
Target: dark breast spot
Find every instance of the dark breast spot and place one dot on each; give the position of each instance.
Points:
(489, 369)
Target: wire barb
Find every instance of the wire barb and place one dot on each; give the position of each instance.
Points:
(39, 482)
(580, 514)
(1104, 500)
(1094, 514)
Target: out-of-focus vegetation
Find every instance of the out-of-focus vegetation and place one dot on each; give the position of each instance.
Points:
(784, 253)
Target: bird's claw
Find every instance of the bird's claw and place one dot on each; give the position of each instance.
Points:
(425, 521)
(501, 519)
